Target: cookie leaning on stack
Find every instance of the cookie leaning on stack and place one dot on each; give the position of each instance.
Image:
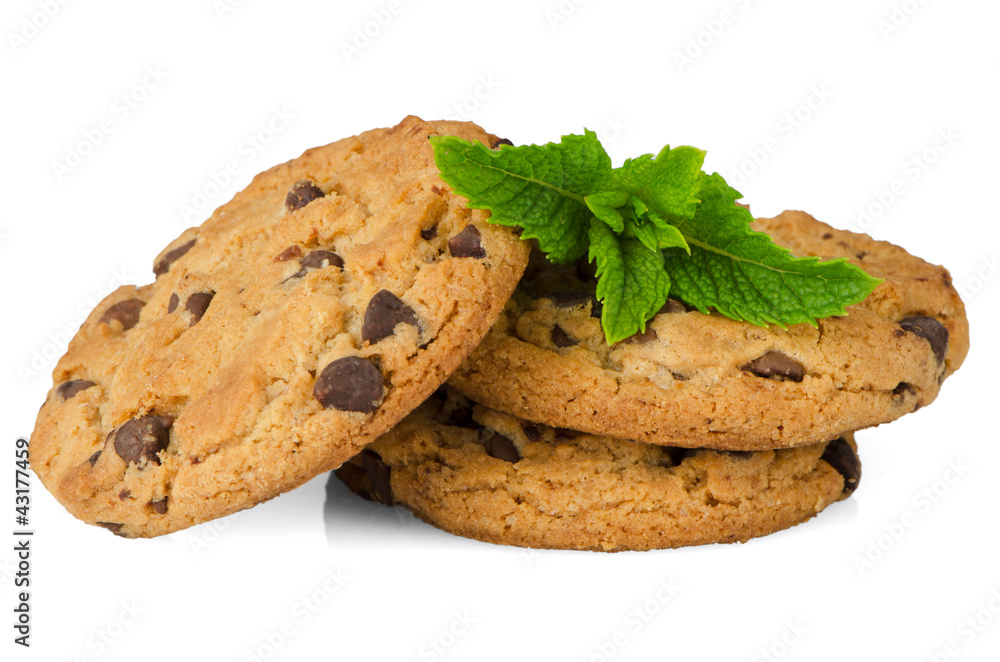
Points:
(302, 320)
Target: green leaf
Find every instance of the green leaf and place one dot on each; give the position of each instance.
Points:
(661, 233)
(654, 226)
(605, 207)
(631, 282)
(669, 183)
(746, 276)
(540, 188)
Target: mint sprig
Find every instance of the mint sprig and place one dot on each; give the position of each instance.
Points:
(654, 227)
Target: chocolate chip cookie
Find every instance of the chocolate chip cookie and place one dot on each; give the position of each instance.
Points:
(301, 321)
(697, 380)
(478, 473)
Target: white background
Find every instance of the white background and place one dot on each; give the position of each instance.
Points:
(815, 106)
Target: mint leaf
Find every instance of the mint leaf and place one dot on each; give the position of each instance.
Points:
(540, 188)
(745, 276)
(670, 182)
(605, 207)
(653, 231)
(631, 282)
(655, 226)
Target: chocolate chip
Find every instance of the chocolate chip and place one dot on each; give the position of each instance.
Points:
(672, 306)
(124, 494)
(930, 330)
(647, 336)
(350, 384)
(163, 266)
(903, 389)
(172, 303)
(318, 260)
(289, 253)
(572, 298)
(467, 243)
(68, 389)
(126, 312)
(378, 476)
(140, 439)
(531, 431)
(828, 235)
(93, 458)
(560, 338)
(384, 312)
(321, 260)
(159, 506)
(564, 434)
(502, 448)
(111, 526)
(902, 393)
(429, 233)
(501, 141)
(776, 366)
(844, 460)
(355, 478)
(197, 304)
(569, 298)
(302, 194)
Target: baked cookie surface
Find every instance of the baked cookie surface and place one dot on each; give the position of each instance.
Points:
(697, 380)
(302, 320)
(478, 473)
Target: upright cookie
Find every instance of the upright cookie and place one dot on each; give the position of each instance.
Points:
(697, 380)
(302, 320)
(482, 474)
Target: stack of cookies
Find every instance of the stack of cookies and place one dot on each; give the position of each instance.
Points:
(347, 311)
(699, 430)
